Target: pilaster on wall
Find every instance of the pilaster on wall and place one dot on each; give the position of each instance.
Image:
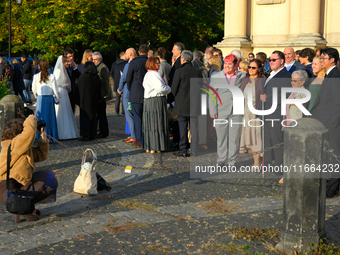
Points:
(235, 30)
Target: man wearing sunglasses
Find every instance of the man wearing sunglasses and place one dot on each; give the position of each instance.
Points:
(278, 78)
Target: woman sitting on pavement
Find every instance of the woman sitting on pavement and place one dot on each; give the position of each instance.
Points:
(155, 117)
(21, 134)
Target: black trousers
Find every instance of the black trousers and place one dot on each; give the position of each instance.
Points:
(88, 128)
(137, 111)
(117, 103)
(272, 136)
(72, 100)
(334, 143)
(183, 123)
(102, 119)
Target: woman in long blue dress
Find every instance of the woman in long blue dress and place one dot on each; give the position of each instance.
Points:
(45, 88)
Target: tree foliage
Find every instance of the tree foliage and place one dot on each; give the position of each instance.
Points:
(48, 26)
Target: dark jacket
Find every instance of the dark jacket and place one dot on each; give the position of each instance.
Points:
(134, 79)
(116, 72)
(258, 86)
(176, 66)
(280, 80)
(308, 68)
(104, 75)
(74, 75)
(27, 70)
(181, 90)
(297, 66)
(89, 89)
(326, 108)
(18, 82)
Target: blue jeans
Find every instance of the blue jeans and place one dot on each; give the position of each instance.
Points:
(26, 91)
(129, 118)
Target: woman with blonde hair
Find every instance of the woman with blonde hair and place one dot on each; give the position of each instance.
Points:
(315, 86)
(215, 64)
(87, 56)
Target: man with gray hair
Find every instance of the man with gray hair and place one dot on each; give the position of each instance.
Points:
(106, 94)
(186, 112)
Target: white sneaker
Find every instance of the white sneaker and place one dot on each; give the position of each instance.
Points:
(25, 105)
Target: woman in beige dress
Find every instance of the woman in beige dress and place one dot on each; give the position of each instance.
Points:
(251, 135)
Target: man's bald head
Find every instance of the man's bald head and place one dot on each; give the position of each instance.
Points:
(131, 53)
(289, 55)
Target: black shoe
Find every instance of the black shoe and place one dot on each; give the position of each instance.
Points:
(101, 136)
(176, 145)
(84, 138)
(221, 163)
(184, 155)
(331, 194)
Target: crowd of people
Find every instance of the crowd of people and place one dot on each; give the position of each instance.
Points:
(160, 105)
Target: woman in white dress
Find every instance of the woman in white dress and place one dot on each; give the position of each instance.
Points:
(67, 128)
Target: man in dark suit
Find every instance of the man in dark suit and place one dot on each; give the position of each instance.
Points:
(183, 109)
(106, 94)
(278, 78)
(134, 82)
(74, 74)
(176, 64)
(306, 58)
(116, 72)
(326, 109)
(27, 76)
(290, 63)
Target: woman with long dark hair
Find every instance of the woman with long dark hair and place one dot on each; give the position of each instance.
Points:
(252, 85)
(44, 88)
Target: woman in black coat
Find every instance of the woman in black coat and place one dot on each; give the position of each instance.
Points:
(18, 82)
(89, 87)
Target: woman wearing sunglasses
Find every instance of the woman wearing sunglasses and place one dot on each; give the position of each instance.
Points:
(251, 134)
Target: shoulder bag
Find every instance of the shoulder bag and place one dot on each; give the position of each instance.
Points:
(18, 201)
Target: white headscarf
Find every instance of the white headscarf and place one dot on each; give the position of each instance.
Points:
(61, 75)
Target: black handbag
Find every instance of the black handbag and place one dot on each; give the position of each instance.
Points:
(18, 201)
(102, 184)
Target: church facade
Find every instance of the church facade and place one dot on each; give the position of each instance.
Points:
(268, 25)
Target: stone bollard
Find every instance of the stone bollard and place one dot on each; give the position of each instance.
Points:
(304, 198)
(9, 106)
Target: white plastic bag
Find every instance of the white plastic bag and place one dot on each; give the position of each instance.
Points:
(86, 182)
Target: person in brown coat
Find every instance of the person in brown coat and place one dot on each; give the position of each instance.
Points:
(21, 134)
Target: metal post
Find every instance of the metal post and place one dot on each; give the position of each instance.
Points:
(9, 29)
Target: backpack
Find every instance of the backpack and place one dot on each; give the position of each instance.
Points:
(8, 72)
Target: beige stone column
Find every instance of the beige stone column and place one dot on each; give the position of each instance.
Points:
(310, 23)
(235, 27)
(237, 15)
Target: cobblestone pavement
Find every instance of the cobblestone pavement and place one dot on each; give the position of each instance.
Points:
(155, 211)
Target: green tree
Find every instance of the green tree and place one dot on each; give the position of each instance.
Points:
(48, 26)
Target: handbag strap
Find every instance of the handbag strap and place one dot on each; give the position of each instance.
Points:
(8, 165)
